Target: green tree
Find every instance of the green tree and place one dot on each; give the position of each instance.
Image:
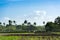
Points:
(29, 23)
(43, 22)
(31, 28)
(14, 22)
(4, 24)
(57, 20)
(22, 23)
(25, 22)
(0, 23)
(34, 23)
(49, 26)
(10, 22)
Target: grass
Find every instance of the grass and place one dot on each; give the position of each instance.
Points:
(29, 38)
(8, 37)
(56, 32)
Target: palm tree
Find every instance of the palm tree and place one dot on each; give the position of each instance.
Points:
(34, 23)
(57, 20)
(0, 23)
(29, 23)
(10, 22)
(25, 22)
(43, 22)
(14, 22)
(4, 24)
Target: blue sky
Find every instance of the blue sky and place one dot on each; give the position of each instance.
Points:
(31, 10)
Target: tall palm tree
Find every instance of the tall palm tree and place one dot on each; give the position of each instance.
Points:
(43, 22)
(14, 22)
(29, 23)
(57, 20)
(4, 24)
(10, 22)
(25, 22)
(0, 23)
(34, 23)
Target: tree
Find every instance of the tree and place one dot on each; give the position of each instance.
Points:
(49, 26)
(22, 23)
(43, 22)
(18, 27)
(57, 20)
(0, 23)
(14, 22)
(31, 28)
(29, 23)
(10, 22)
(4, 24)
(34, 23)
(25, 22)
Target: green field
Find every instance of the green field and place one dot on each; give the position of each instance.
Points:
(29, 37)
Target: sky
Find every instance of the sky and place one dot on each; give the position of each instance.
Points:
(30, 10)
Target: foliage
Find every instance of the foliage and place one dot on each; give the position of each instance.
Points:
(10, 22)
(29, 37)
(57, 20)
(28, 27)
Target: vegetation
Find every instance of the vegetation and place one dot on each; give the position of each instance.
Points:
(12, 27)
(53, 26)
(29, 37)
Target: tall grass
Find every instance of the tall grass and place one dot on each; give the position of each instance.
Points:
(29, 37)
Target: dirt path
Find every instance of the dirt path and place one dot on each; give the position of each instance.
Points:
(36, 34)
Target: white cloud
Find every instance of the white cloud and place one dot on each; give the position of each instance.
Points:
(6, 18)
(41, 12)
(36, 16)
(25, 15)
(39, 16)
(18, 19)
(37, 11)
(50, 18)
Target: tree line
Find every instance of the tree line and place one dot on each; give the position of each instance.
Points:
(28, 27)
